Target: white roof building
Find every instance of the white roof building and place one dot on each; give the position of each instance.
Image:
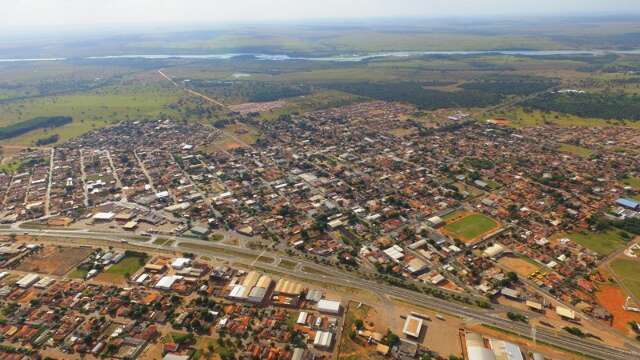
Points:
(27, 280)
(506, 350)
(302, 318)
(162, 194)
(412, 326)
(479, 353)
(167, 282)
(257, 295)
(329, 306)
(237, 292)
(142, 278)
(435, 221)
(180, 263)
(565, 313)
(104, 216)
(44, 283)
(493, 250)
(395, 253)
(323, 339)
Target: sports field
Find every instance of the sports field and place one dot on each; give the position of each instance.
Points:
(470, 227)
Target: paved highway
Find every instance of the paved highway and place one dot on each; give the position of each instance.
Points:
(340, 278)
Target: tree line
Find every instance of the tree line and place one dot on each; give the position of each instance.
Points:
(23, 127)
(616, 106)
(416, 94)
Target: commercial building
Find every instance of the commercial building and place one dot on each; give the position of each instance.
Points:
(323, 339)
(329, 306)
(28, 280)
(412, 326)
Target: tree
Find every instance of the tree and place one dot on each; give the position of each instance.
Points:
(391, 339)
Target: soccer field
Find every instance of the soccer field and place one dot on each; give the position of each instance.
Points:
(471, 227)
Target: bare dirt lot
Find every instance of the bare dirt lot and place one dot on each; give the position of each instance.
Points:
(54, 260)
(440, 336)
(520, 266)
(258, 107)
(612, 298)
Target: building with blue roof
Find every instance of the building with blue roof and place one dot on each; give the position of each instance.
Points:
(628, 203)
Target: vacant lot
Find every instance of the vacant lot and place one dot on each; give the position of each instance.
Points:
(576, 150)
(603, 243)
(352, 346)
(612, 298)
(471, 227)
(120, 272)
(258, 107)
(628, 272)
(634, 182)
(520, 266)
(55, 260)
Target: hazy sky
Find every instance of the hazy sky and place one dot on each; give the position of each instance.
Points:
(47, 13)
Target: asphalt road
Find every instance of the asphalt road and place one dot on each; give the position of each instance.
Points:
(566, 341)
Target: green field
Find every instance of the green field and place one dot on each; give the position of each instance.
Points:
(576, 150)
(471, 227)
(90, 110)
(128, 266)
(634, 182)
(521, 118)
(603, 243)
(628, 272)
(78, 273)
(316, 101)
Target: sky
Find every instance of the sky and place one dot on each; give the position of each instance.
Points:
(25, 14)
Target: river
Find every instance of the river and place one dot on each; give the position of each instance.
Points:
(341, 58)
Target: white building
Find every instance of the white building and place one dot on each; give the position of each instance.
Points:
(28, 280)
(180, 263)
(329, 306)
(323, 339)
(302, 318)
(167, 282)
(412, 326)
